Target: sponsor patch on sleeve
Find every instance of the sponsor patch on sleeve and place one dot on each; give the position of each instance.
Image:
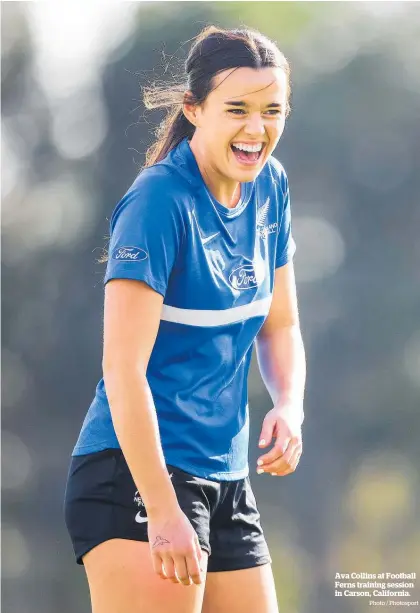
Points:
(129, 254)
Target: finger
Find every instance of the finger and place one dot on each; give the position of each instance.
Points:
(181, 569)
(280, 447)
(266, 436)
(293, 461)
(199, 553)
(282, 472)
(169, 567)
(194, 569)
(296, 458)
(285, 462)
(158, 566)
(280, 465)
(264, 441)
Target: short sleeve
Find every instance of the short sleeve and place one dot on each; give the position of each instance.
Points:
(146, 234)
(286, 246)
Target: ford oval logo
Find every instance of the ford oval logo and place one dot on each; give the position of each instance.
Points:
(129, 254)
(245, 277)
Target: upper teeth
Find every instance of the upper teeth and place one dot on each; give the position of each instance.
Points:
(244, 147)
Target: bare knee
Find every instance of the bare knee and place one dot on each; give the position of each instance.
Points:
(122, 580)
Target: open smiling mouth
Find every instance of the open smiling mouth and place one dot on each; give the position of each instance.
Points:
(247, 157)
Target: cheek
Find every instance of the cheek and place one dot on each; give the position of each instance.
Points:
(280, 126)
(225, 126)
(275, 132)
(220, 137)
(211, 142)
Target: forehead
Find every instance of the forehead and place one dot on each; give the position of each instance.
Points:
(250, 85)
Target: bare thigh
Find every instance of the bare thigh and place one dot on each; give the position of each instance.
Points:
(241, 591)
(122, 580)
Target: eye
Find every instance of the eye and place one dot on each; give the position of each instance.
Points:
(272, 112)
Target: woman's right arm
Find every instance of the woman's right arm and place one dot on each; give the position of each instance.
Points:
(131, 322)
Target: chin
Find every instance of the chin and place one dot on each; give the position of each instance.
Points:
(249, 174)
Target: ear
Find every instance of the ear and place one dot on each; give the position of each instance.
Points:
(190, 110)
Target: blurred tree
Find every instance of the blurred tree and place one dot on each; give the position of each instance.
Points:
(351, 150)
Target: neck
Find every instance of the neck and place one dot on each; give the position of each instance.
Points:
(226, 191)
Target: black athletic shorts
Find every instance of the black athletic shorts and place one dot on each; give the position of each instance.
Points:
(102, 503)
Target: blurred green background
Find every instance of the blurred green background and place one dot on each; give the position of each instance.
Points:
(74, 133)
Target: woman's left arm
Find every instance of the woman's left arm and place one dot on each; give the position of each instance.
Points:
(281, 358)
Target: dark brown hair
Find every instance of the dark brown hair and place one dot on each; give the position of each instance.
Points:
(213, 51)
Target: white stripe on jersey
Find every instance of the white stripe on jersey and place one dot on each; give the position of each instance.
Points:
(208, 319)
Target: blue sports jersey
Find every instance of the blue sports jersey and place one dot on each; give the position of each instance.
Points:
(214, 266)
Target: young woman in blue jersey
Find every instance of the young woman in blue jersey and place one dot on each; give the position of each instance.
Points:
(199, 269)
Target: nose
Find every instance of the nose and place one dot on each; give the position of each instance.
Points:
(255, 125)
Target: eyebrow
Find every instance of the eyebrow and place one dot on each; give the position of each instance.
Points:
(272, 105)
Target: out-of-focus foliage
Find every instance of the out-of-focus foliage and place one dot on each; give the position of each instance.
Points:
(74, 135)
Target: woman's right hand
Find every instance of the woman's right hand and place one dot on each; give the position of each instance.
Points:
(174, 545)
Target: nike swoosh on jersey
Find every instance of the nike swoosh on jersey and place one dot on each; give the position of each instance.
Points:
(204, 239)
(208, 238)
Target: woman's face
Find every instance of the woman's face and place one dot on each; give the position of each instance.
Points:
(245, 110)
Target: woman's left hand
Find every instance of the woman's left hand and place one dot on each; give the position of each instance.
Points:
(284, 423)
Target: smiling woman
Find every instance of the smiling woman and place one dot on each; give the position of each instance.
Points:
(231, 145)
(236, 99)
(199, 268)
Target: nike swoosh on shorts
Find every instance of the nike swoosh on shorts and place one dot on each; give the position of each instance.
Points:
(139, 519)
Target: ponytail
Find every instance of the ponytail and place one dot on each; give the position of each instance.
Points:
(173, 129)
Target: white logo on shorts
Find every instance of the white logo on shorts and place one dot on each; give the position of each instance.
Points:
(139, 518)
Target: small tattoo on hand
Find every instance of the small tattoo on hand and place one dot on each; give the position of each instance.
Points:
(159, 541)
